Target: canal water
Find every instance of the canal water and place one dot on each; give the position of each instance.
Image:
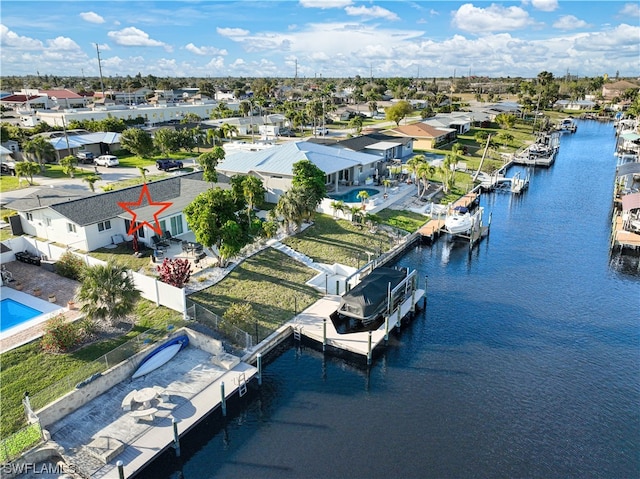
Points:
(525, 363)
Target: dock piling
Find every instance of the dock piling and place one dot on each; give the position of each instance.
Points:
(324, 334)
(369, 349)
(176, 437)
(120, 469)
(259, 365)
(223, 399)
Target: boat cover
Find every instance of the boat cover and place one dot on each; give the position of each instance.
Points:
(366, 298)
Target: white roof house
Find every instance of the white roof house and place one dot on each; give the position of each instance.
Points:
(275, 165)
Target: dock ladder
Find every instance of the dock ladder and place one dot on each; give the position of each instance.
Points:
(297, 333)
(242, 385)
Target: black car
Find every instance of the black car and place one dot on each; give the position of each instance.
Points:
(168, 164)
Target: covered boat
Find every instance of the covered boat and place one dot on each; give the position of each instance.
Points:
(363, 307)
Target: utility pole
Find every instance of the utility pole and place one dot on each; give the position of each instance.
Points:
(100, 70)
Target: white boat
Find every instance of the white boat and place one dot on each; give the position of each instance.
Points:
(160, 356)
(459, 222)
(568, 125)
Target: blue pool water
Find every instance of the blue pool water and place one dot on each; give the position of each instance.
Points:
(13, 313)
(525, 363)
(352, 196)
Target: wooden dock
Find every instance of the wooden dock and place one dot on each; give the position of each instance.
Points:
(467, 201)
(432, 229)
(314, 323)
(622, 238)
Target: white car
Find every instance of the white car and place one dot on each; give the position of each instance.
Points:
(318, 130)
(106, 160)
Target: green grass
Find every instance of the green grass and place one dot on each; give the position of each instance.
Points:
(28, 368)
(123, 254)
(338, 241)
(21, 441)
(401, 219)
(271, 282)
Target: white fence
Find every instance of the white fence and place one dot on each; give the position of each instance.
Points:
(162, 294)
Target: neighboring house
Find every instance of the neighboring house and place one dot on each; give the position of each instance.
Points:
(24, 102)
(87, 221)
(459, 121)
(64, 98)
(274, 166)
(426, 137)
(246, 124)
(384, 146)
(76, 141)
(574, 105)
(615, 89)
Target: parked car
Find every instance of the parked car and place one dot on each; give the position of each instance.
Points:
(318, 130)
(85, 157)
(8, 168)
(106, 160)
(168, 164)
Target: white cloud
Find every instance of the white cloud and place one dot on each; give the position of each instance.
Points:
(371, 12)
(134, 37)
(232, 32)
(324, 3)
(494, 18)
(11, 39)
(630, 10)
(569, 22)
(545, 5)
(204, 50)
(63, 43)
(91, 17)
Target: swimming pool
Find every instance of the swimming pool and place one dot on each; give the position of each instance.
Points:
(352, 196)
(13, 313)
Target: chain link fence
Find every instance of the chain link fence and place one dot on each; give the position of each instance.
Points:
(11, 447)
(236, 337)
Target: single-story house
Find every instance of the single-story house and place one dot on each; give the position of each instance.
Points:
(99, 143)
(574, 105)
(87, 221)
(459, 121)
(614, 89)
(385, 146)
(274, 166)
(246, 124)
(426, 137)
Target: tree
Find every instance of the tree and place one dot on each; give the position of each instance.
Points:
(143, 172)
(398, 112)
(338, 206)
(292, 206)
(167, 140)
(40, 149)
(254, 192)
(138, 142)
(506, 120)
(91, 179)
(229, 130)
(27, 169)
(448, 172)
(242, 316)
(107, 292)
(311, 179)
(414, 165)
(209, 161)
(362, 196)
(356, 124)
(423, 173)
(175, 272)
(69, 165)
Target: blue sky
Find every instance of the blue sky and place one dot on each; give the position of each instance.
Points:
(329, 38)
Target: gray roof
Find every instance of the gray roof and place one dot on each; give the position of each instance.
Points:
(359, 143)
(85, 208)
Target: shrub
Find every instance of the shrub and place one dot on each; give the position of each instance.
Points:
(70, 266)
(175, 272)
(61, 335)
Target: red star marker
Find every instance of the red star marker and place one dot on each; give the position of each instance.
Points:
(126, 205)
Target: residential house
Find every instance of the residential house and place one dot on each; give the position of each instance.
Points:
(426, 137)
(274, 166)
(75, 141)
(616, 89)
(458, 120)
(87, 221)
(574, 105)
(384, 146)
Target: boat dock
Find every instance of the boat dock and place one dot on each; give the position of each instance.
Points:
(622, 238)
(314, 323)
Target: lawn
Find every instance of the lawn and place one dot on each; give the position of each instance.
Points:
(401, 219)
(123, 254)
(272, 282)
(338, 241)
(28, 368)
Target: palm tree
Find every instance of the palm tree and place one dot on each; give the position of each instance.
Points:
(253, 192)
(91, 179)
(423, 173)
(229, 130)
(143, 172)
(40, 149)
(362, 196)
(291, 206)
(448, 173)
(107, 292)
(338, 206)
(356, 213)
(413, 165)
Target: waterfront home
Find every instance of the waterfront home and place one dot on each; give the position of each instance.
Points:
(386, 147)
(274, 166)
(426, 137)
(87, 221)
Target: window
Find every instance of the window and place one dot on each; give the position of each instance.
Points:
(47, 221)
(29, 217)
(176, 225)
(104, 225)
(71, 228)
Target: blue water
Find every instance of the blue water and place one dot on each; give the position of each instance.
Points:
(525, 363)
(13, 313)
(352, 196)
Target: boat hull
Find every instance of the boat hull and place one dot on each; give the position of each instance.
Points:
(458, 224)
(160, 356)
